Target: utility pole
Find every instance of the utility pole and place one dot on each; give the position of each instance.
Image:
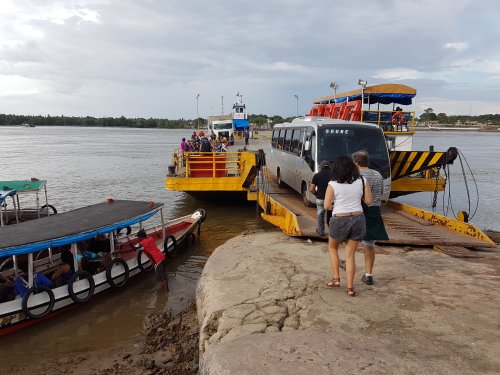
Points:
(197, 115)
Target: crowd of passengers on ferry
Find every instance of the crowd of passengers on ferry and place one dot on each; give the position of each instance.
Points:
(200, 142)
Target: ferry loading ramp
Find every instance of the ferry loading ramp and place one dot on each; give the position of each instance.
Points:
(243, 172)
(406, 225)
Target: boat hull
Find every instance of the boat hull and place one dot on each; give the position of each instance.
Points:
(13, 316)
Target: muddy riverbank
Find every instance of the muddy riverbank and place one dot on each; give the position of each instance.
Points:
(265, 291)
(169, 346)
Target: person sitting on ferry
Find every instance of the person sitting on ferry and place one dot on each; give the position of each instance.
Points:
(90, 261)
(66, 269)
(21, 283)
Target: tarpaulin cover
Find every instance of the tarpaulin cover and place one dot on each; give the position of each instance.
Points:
(384, 94)
(73, 226)
(22, 185)
(240, 124)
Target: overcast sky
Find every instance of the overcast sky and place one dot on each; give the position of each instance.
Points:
(151, 58)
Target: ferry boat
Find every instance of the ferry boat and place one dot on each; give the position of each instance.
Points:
(378, 105)
(38, 247)
(230, 126)
(335, 126)
(391, 107)
(29, 190)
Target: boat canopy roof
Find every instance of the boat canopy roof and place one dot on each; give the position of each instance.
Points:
(73, 226)
(384, 94)
(6, 193)
(23, 185)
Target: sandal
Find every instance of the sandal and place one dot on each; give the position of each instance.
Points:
(334, 283)
(350, 292)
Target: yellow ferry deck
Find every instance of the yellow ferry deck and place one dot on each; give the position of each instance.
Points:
(242, 171)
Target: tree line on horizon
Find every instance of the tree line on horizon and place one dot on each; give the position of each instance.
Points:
(122, 121)
(443, 118)
(259, 120)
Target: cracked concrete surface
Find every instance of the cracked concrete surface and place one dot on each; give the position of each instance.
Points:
(263, 307)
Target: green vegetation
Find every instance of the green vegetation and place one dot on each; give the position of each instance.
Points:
(259, 120)
(443, 118)
(93, 121)
(123, 121)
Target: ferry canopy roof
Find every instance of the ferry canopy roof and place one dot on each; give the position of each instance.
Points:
(384, 94)
(73, 226)
(23, 185)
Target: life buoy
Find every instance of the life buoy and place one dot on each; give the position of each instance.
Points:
(36, 290)
(47, 206)
(109, 277)
(78, 275)
(170, 248)
(143, 266)
(398, 118)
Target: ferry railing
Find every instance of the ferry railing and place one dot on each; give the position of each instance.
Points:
(390, 121)
(207, 164)
(212, 164)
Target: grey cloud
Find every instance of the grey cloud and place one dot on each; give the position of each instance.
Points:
(145, 54)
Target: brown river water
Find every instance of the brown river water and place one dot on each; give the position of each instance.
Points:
(87, 165)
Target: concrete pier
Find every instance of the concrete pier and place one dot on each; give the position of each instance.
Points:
(264, 308)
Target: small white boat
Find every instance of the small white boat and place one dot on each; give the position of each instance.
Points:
(34, 203)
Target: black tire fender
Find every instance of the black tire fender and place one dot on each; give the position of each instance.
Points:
(203, 214)
(129, 230)
(170, 251)
(80, 274)
(109, 277)
(54, 211)
(142, 265)
(36, 290)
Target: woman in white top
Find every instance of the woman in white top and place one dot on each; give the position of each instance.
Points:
(345, 191)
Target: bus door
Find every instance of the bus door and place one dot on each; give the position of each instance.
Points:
(309, 149)
(288, 164)
(297, 162)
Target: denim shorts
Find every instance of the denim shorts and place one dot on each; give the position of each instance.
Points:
(343, 228)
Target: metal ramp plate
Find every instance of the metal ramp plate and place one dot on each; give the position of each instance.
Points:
(402, 228)
(457, 251)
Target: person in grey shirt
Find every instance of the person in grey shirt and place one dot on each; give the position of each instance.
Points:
(375, 229)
